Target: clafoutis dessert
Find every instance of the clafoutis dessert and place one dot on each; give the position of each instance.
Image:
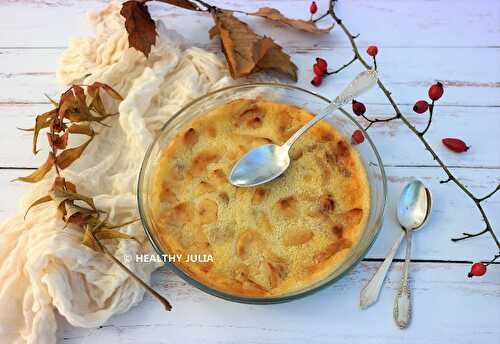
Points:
(269, 240)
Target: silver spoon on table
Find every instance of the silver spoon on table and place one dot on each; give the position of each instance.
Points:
(267, 162)
(415, 204)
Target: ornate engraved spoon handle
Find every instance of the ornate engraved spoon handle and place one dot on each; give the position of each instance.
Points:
(402, 303)
(361, 83)
(369, 294)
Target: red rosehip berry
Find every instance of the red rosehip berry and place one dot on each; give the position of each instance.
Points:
(357, 137)
(420, 106)
(436, 91)
(313, 8)
(322, 63)
(316, 81)
(372, 50)
(477, 269)
(456, 145)
(318, 70)
(358, 108)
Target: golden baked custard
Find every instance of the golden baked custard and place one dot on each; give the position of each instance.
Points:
(269, 240)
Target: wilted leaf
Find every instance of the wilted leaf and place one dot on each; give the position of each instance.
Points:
(245, 51)
(275, 15)
(74, 107)
(108, 89)
(68, 156)
(26, 129)
(95, 100)
(121, 224)
(77, 215)
(89, 239)
(52, 101)
(140, 27)
(104, 233)
(182, 3)
(101, 233)
(83, 129)
(60, 196)
(42, 121)
(39, 201)
(58, 141)
(40, 172)
(62, 184)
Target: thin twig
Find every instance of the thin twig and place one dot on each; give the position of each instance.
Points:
(343, 67)
(493, 260)
(431, 111)
(420, 135)
(488, 195)
(378, 120)
(321, 17)
(153, 292)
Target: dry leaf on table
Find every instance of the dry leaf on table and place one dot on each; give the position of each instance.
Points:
(304, 25)
(247, 52)
(140, 27)
(188, 5)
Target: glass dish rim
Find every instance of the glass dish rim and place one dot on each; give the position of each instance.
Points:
(238, 298)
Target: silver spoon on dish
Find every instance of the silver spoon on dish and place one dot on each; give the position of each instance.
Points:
(267, 162)
(414, 208)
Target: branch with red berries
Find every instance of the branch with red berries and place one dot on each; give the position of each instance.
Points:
(435, 92)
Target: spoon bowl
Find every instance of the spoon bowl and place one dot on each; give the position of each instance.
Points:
(260, 165)
(415, 205)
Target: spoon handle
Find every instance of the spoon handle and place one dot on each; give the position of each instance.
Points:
(402, 302)
(361, 83)
(369, 294)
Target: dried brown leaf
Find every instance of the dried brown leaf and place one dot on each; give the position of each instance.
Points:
(61, 196)
(247, 52)
(58, 141)
(52, 101)
(62, 184)
(80, 216)
(73, 106)
(68, 156)
(83, 129)
(121, 224)
(275, 15)
(42, 121)
(95, 100)
(188, 5)
(39, 201)
(140, 27)
(89, 240)
(101, 233)
(108, 89)
(40, 172)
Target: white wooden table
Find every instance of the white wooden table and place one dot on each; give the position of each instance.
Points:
(455, 41)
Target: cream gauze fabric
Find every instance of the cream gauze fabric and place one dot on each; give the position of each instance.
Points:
(45, 267)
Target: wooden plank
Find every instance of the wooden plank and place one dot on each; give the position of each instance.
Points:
(26, 74)
(432, 243)
(448, 308)
(396, 144)
(449, 23)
